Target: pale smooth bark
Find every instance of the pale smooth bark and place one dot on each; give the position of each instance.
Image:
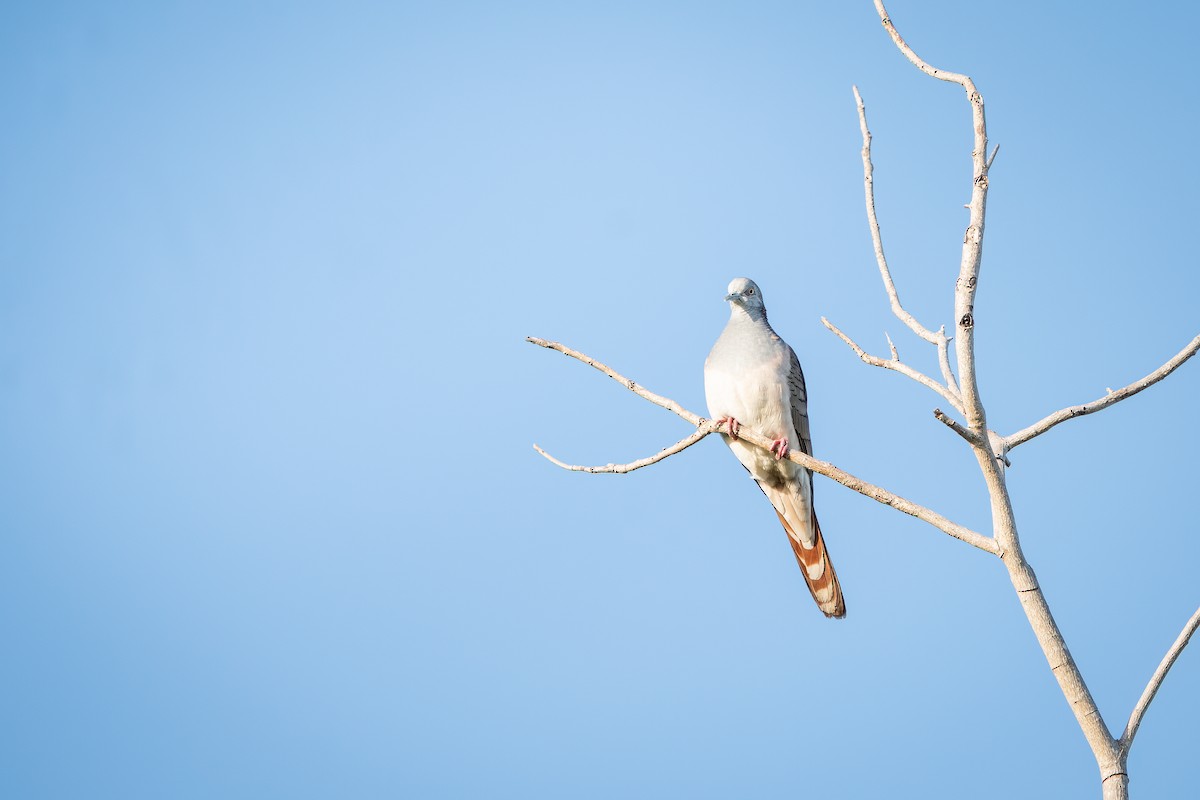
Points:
(937, 338)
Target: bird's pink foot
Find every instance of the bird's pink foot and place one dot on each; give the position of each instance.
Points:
(780, 448)
(732, 424)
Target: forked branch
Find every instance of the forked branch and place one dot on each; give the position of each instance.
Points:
(896, 365)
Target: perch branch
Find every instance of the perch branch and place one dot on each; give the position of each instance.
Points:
(1045, 424)
(896, 365)
(1139, 711)
(705, 427)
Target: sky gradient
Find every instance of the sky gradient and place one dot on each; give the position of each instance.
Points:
(271, 520)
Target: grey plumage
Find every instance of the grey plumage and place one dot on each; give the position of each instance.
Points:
(753, 378)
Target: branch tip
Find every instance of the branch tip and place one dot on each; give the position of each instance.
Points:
(992, 157)
(954, 425)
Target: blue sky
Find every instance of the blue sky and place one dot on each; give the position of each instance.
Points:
(271, 521)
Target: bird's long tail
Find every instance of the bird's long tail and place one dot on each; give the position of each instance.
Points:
(818, 570)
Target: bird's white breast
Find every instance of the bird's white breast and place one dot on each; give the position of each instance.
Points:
(743, 379)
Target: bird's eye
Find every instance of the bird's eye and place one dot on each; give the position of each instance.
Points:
(750, 291)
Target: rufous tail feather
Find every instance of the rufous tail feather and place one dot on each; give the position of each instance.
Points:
(817, 570)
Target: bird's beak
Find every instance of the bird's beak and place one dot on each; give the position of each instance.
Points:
(733, 298)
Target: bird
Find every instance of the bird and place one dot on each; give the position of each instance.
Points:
(753, 378)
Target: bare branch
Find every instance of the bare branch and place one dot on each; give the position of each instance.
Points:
(1139, 711)
(940, 74)
(943, 348)
(953, 425)
(1045, 424)
(658, 400)
(896, 365)
(705, 427)
(992, 157)
(876, 238)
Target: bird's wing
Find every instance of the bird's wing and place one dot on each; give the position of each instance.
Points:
(799, 394)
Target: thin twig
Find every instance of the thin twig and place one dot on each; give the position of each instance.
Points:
(705, 427)
(1139, 711)
(943, 348)
(876, 238)
(938, 338)
(992, 157)
(1046, 423)
(640, 391)
(954, 425)
(896, 366)
(620, 469)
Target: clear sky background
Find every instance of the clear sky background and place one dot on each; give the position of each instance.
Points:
(271, 523)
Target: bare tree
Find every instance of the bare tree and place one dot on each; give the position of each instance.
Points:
(991, 449)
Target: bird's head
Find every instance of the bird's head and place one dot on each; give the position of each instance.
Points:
(744, 293)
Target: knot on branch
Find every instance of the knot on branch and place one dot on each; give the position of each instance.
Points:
(967, 321)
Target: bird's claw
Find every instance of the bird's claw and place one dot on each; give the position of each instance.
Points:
(732, 424)
(780, 448)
